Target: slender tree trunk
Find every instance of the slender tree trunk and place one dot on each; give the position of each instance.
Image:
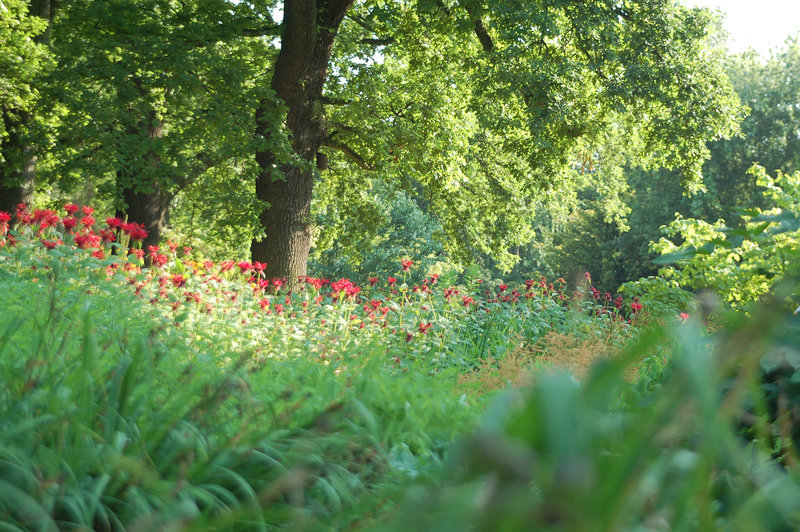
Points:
(309, 30)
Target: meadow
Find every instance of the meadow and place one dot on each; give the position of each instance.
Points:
(152, 390)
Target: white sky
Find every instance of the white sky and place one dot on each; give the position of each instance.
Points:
(760, 24)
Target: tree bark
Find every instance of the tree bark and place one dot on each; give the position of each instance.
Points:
(309, 30)
(146, 203)
(148, 208)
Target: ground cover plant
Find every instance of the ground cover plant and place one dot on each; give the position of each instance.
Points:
(145, 389)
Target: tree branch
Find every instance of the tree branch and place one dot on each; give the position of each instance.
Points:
(380, 41)
(343, 127)
(480, 28)
(327, 100)
(262, 32)
(348, 152)
(361, 22)
(377, 42)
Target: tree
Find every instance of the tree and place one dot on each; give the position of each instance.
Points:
(482, 103)
(23, 57)
(300, 72)
(769, 136)
(157, 93)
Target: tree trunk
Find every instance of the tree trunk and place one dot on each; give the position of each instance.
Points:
(149, 209)
(19, 169)
(309, 29)
(146, 203)
(288, 241)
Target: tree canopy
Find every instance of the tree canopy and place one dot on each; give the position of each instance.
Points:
(484, 110)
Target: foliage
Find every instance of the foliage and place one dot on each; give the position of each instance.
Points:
(485, 109)
(118, 414)
(666, 452)
(587, 236)
(20, 56)
(195, 394)
(23, 58)
(663, 298)
(156, 94)
(740, 265)
(401, 229)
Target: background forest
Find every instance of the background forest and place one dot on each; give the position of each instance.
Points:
(392, 265)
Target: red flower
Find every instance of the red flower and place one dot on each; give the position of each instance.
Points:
(88, 221)
(406, 264)
(372, 281)
(503, 287)
(351, 290)
(391, 281)
(245, 266)
(114, 223)
(69, 223)
(71, 208)
(108, 235)
(50, 244)
(636, 306)
(341, 285)
(135, 231)
(87, 240)
(315, 282)
(178, 280)
(423, 327)
(88, 211)
(259, 266)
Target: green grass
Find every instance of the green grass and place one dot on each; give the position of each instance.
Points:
(118, 413)
(112, 418)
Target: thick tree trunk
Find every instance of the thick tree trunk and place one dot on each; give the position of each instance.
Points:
(146, 203)
(149, 209)
(309, 29)
(288, 241)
